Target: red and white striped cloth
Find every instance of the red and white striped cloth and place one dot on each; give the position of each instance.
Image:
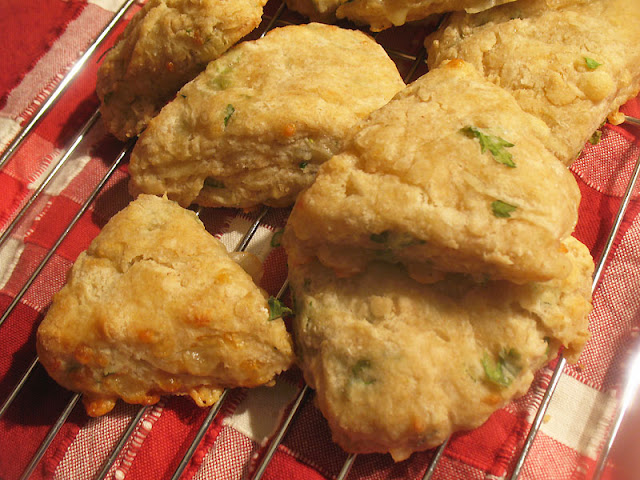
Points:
(39, 41)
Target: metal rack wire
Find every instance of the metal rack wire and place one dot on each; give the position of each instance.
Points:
(415, 64)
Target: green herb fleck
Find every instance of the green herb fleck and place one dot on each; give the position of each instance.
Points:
(222, 80)
(228, 112)
(505, 369)
(361, 371)
(213, 183)
(72, 367)
(277, 309)
(303, 165)
(183, 95)
(502, 209)
(380, 237)
(496, 145)
(595, 137)
(591, 63)
(276, 237)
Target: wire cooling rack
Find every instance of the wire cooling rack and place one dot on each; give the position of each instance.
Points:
(407, 51)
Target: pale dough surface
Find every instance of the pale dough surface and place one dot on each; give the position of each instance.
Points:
(539, 51)
(165, 45)
(256, 125)
(399, 366)
(412, 186)
(157, 306)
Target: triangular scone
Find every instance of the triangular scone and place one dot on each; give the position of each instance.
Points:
(255, 126)
(383, 14)
(570, 63)
(398, 366)
(418, 183)
(156, 306)
(165, 45)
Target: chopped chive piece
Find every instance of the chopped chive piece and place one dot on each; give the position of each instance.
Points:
(276, 237)
(595, 137)
(591, 63)
(496, 145)
(362, 371)
(505, 369)
(502, 209)
(228, 112)
(213, 183)
(303, 165)
(380, 237)
(277, 309)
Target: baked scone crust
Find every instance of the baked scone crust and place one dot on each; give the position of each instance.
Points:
(165, 45)
(398, 366)
(413, 186)
(157, 306)
(541, 51)
(255, 126)
(316, 10)
(383, 14)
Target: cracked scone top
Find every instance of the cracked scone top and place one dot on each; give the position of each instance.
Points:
(450, 175)
(256, 125)
(165, 45)
(398, 366)
(157, 306)
(576, 61)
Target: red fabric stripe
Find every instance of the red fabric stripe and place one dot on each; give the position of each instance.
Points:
(48, 228)
(28, 419)
(596, 215)
(489, 447)
(44, 21)
(11, 189)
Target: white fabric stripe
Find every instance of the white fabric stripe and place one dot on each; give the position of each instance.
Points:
(109, 5)
(9, 256)
(578, 416)
(93, 444)
(260, 244)
(75, 165)
(8, 130)
(259, 414)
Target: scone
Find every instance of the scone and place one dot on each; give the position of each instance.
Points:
(165, 45)
(157, 306)
(399, 366)
(451, 175)
(316, 10)
(255, 126)
(383, 14)
(569, 63)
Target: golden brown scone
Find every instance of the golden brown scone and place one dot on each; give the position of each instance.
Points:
(165, 45)
(383, 14)
(399, 366)
(156, 306)
(413, 185)
(316, 10)
(569, 63)
(255, 126)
